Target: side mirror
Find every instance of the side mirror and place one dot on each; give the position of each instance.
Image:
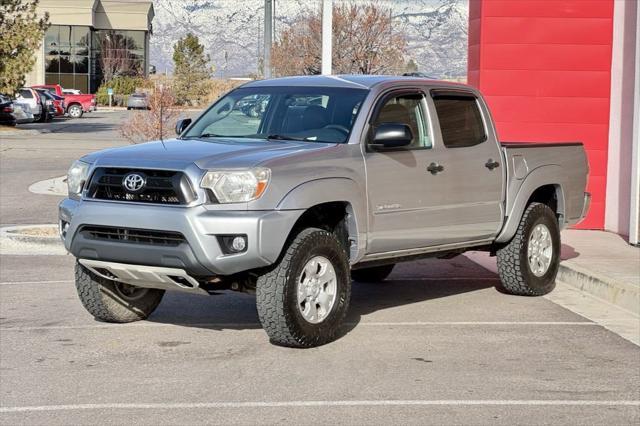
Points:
(391, 135)
(181, 125)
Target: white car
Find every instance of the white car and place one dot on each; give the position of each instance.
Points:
(29, 96)
(71, 92)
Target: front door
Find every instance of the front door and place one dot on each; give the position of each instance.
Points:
(396, 178)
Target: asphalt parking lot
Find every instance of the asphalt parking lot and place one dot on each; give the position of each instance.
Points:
(435, 344)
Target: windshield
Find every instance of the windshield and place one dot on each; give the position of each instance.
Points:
(315, 114)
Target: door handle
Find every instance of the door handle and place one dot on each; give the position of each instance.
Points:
(490, 164)
(435, 168)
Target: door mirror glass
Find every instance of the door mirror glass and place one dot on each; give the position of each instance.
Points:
(392, 135)
(182, 124)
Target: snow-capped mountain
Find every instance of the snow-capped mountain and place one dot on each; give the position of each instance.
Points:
(231, 30)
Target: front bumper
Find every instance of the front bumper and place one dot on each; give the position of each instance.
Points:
(201, 255)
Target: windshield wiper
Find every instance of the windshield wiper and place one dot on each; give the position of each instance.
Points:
(285, 138)
(210, 135)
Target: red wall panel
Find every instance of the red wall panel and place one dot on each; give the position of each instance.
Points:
(544, 68)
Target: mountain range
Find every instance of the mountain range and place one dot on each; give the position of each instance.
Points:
(232, 31)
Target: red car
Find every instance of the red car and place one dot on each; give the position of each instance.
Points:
(75, 105)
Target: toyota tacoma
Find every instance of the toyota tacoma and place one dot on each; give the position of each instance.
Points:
(291, 188)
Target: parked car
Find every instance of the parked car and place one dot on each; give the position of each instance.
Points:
(76, 105)
(29, 96)
(138, 101)
(22, 113)
(49, 108)
(294, 205)
(6, 111)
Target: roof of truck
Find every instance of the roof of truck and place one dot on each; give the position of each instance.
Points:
(361, 81)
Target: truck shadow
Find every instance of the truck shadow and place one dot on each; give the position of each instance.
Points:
(410, 283)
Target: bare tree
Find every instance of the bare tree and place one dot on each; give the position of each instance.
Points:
(364, 42)
(156, 123)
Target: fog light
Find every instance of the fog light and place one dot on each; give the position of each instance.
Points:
(238, 244)
(232, 244)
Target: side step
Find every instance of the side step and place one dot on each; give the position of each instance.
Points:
(145, 276)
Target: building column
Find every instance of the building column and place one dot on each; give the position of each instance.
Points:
(634, 211)
(624, 94)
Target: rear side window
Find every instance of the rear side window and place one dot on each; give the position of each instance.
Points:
(26, 94)
(460, 120)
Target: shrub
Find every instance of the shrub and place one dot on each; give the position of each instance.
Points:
(122, 87)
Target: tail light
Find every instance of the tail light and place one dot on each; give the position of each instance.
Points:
(93, 101)
(7, 109)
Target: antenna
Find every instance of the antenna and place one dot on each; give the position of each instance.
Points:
(161, 114)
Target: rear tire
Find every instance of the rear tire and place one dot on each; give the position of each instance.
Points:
(284, 293)
(374, 274)
(529, 263)
(110, 301)
(75, 111)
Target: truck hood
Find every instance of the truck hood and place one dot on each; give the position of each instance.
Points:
(206, 154)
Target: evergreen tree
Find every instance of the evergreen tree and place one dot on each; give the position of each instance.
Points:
(192, 71)
(21, 33)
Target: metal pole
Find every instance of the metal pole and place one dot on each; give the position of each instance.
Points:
(268, 36)
(327, 29)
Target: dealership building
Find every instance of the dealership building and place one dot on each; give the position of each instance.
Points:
(87, 38)
(568, 70)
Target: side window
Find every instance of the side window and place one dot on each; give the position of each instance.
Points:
(407, 109)
(26, 94)
(460, 120)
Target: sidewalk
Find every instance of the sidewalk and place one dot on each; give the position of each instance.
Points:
(602, 264)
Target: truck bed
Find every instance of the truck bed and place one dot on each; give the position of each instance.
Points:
(532, 163)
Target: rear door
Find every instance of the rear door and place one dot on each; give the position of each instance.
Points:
(472, 176)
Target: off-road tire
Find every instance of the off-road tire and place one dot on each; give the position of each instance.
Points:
(276, 298)
(374, 274)
(101, 299)
(513, 265)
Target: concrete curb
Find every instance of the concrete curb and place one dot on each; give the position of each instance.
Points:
(621, 294)
(54, 186)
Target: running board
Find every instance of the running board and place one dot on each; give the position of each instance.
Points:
(144, 276)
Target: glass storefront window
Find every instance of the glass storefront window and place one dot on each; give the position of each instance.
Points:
(135, 40)
(80, 64)
(65, 35)
(52, 64)
(77, 55)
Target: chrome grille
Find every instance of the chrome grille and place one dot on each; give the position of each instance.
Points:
(161, 186)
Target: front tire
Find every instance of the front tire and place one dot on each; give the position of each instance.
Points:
(111, 301)
(303, 300)
(529, 263)
(374, 274)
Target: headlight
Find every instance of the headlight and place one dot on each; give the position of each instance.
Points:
(76, 177)
(237, 186)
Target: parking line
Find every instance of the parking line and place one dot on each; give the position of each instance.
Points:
(257, 325)
(35, 282)
(279, 404)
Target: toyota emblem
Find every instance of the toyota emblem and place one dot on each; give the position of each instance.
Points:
(133, 182)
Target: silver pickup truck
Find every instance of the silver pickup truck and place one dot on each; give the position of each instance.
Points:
(290, 188)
